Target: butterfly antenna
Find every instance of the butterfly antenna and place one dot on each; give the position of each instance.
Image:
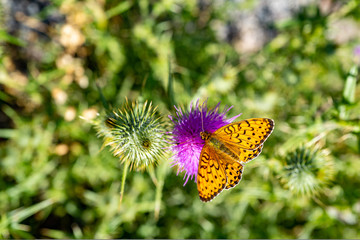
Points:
(202, 121)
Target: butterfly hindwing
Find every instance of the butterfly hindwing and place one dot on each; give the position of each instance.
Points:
(233, 172)
(211, 178)
(244, 155)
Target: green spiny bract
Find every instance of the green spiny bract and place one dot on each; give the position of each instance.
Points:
(307, 172)
(135, 133)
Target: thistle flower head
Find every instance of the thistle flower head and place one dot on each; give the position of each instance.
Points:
(135, 133)
(307, 172)
(186, 140)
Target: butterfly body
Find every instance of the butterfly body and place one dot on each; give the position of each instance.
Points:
(226, 150)
(217, 145)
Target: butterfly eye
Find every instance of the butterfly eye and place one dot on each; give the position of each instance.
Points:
(204, 135)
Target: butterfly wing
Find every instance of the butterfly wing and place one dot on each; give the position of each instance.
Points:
(244, 155)
(247, 134)
(245, 138)
(233, 172)
(211, 178)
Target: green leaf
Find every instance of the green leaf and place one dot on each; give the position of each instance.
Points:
(102, 98)
(170, 89)
(7, 133)
(120, 8)
(4, 36)
(21, 214)
(350, 85)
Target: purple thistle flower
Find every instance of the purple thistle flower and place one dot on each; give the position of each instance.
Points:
(186, 140)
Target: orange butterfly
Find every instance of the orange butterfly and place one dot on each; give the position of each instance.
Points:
(226, 150)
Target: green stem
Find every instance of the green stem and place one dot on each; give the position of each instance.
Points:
(162, 171)
(151, 172)
(126, 166)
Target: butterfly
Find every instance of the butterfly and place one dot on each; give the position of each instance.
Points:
(226, 150)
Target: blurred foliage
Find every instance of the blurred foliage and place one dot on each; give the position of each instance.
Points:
(57, 182)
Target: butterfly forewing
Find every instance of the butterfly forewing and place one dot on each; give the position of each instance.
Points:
(211, 178)
(246, 134)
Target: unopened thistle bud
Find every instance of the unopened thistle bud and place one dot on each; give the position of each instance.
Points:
(135, 133)
(307, 172)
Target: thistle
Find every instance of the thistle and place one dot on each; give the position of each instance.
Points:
(307, 172)
(135, 134)
(186, 140)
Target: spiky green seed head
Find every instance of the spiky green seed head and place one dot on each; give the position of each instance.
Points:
(135, 133)
(307, 172)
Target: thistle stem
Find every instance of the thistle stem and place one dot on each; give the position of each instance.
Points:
(125, 170)
(162, 170)
(152, 174)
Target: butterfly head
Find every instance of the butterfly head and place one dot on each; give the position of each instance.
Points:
(205, 135)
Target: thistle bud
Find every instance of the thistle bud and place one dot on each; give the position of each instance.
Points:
(135, 133)
(307, 172)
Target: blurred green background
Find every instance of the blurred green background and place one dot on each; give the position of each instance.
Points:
(293, 61)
